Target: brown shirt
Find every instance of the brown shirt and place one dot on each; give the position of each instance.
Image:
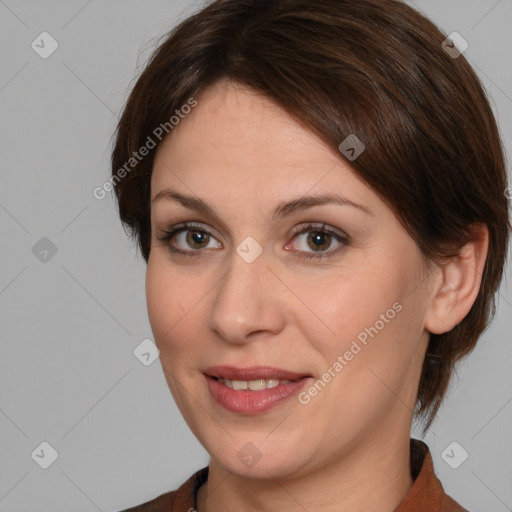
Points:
(426, 495)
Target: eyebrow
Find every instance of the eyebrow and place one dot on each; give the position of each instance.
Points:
(282, 210)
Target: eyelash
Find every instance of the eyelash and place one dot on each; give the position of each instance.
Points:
(167, 236)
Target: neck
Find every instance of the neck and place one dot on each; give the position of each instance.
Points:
(374, 477)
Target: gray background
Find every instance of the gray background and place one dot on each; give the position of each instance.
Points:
(68, 375)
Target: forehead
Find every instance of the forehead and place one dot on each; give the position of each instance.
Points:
(238, 141)
(233, 123)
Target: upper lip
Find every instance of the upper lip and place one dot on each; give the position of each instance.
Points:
(253, 373)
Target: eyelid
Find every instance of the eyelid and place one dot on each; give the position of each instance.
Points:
(320, 226)
(188, 226)
(323, 227)
(341, 237)
(170, 233)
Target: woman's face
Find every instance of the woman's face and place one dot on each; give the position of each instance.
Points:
(275, 284)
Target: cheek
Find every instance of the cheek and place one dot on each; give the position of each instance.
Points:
(176, 314)
(166, 298)
(364, 321)
(157, 297)
(344, 307)
(375, 349)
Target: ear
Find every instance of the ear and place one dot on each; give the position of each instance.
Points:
(457, 288)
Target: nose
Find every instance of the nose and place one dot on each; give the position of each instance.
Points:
(246, 304)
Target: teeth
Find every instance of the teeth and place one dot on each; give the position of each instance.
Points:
(257, 385)
(253, 385)
(239, 384)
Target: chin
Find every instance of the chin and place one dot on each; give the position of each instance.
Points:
(253, 455)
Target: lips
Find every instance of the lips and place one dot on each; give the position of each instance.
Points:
(253, 390)
(253, 373)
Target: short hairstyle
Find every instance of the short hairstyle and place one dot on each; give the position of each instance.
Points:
(376, 69)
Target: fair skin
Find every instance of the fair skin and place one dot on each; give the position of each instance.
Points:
(348, 447)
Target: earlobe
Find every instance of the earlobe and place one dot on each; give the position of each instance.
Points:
(459, 285)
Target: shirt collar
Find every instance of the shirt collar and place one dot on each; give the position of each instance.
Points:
(426, 495)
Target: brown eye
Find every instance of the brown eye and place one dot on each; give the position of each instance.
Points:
(319, 240)
(188, 239)
(315, 240)
(196, 238)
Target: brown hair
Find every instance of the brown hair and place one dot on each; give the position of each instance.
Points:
(373, 68)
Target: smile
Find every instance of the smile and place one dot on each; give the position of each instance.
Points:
(253, 390)
(253, 385)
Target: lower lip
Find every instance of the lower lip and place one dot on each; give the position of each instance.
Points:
(251, 402)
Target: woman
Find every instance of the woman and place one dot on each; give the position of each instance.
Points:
(318, 189)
